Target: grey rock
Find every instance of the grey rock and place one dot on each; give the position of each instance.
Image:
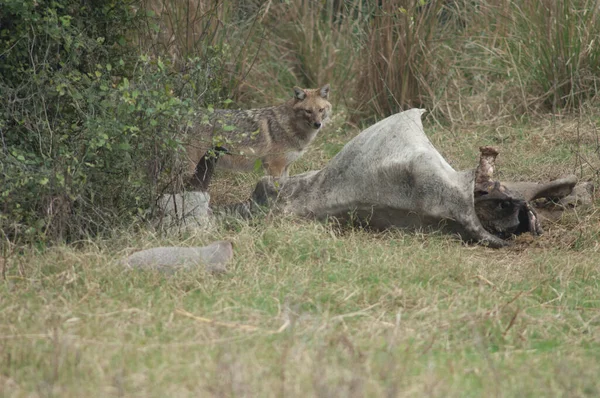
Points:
(213, 258)
(187, 209)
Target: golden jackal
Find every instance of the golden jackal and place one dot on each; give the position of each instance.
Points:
(276, 136)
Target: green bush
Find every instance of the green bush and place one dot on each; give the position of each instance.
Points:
(90, 131)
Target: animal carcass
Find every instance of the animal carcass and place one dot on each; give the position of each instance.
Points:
(390, 175)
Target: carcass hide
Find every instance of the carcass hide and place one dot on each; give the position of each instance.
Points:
(390, 175)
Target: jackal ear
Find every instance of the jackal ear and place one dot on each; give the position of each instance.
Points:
(324, 91)
(299, 94)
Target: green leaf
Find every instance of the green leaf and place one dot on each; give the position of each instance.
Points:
(257, 165)
(65, 21)
(228, 128)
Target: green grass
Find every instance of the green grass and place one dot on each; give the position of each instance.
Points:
(369, 314)
(309, 310)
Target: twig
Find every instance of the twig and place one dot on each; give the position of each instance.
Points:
(362, 312)
(512, 322)
(246, 328)
(512, 300)
(564, 307)
(481, 278)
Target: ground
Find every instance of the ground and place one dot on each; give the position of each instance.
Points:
(309, 310)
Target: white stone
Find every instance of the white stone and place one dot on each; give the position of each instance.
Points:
(187, 210)
(213, 258)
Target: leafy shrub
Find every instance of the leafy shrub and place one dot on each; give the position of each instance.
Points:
(90, 131)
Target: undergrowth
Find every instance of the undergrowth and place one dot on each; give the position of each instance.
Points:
(97, 98)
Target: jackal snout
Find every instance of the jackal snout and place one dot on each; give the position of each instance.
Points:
(312, 105)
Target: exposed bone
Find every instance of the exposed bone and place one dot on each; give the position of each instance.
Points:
(535, 228)
(487, 163)
(488, 189)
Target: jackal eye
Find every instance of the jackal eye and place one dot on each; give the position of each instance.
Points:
(308, 111)
(321, 110)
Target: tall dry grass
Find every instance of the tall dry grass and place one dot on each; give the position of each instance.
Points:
(555, 45)
(184, 28)
(320, 41)
(461, 59)
(396, 56)
(518, 59)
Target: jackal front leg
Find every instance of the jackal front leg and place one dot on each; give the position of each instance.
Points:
(276, 167)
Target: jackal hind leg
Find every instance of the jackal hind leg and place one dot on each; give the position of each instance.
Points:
(205, 169)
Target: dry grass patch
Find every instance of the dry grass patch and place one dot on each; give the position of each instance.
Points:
(305, 310)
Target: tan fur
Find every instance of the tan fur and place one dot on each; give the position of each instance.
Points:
(276, 135)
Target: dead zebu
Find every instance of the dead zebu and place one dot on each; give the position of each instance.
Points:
(390, 175)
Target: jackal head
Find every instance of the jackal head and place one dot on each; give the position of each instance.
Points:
(311, 106)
